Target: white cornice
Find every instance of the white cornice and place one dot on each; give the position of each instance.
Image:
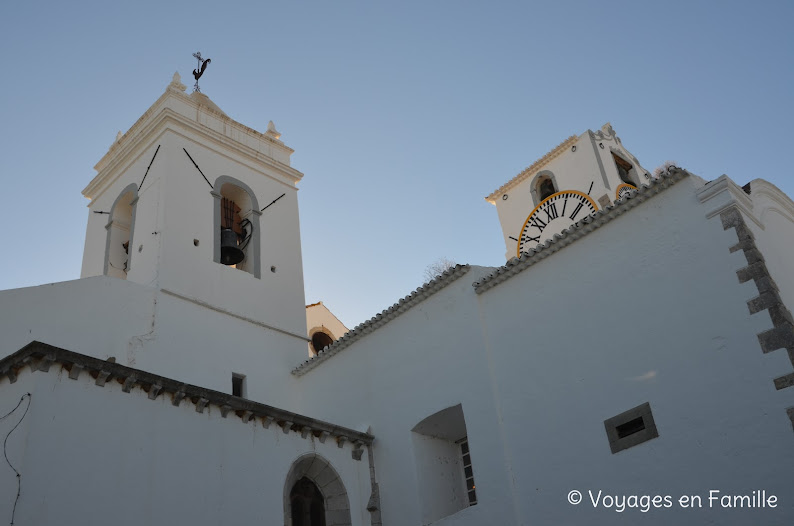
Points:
(721, 194)
(168, 119)
(150, 123)
(532, 169)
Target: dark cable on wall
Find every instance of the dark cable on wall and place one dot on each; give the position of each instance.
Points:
(273, 201)
(5, 449)
(147, 168)
(199, 169)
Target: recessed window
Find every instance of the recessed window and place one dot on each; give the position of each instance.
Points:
(545, 188)
(624, 170)
(444, 473)
(468, 472)
(631, 428)
(238, 385)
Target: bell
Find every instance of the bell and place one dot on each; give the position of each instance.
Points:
(230, 252)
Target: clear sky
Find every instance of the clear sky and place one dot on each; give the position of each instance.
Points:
(403, 115)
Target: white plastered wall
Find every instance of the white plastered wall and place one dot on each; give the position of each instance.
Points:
(140, 461)
(647, 308)
(427, 359)
(665, 323)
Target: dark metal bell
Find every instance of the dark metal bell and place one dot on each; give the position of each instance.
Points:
(230, 251)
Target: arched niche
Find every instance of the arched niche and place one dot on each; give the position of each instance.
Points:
(319, 472)
(543, 185)
(244, 207)
(120, 229)
(321, 338)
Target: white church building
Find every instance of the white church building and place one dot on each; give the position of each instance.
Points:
(631, 363)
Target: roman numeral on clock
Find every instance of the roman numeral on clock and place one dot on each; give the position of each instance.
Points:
(576, 211)
(538, 223)
(551, 211)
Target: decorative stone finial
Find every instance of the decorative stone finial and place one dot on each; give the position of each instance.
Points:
(118, 136)
(607, 129)
(176, 83)
(271, 131)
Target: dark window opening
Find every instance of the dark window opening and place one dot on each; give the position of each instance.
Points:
(631, 427)
(468, 473)
(238, 385)
(545, 188)
(320, 341)
(624, 168)
(306, 503)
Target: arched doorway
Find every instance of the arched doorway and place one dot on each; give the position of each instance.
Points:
(314, 492)
(307, 504)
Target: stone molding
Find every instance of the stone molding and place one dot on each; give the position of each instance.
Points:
(39, 356)
(578, 230)
(781, 335)
(160, 117)
(530, 170)
(381, 319)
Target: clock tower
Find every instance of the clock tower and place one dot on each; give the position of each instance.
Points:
(580, 176)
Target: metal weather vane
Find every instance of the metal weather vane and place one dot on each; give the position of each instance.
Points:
(199, 71)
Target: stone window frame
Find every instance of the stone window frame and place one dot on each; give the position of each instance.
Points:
(317, 469)
(254, 250)
(130, 188)
(616, 443)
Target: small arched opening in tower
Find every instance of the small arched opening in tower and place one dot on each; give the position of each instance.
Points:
(321, 340)
(119, 234)
(626, 171)
(236, 228)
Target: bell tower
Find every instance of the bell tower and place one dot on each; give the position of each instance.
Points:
(581, 175)
(200, 207)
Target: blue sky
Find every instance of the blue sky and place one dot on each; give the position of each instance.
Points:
(403, 115)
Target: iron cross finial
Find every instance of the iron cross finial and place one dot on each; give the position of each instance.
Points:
(199, 71)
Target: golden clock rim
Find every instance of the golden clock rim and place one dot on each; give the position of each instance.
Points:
(534, 210)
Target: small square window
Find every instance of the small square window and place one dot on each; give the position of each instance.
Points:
(238, 385)
(631, 428)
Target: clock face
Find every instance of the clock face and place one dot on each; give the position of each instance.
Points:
(553, 215)
(624, 190)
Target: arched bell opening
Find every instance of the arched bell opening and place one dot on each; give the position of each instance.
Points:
(543, 186)
(320, 340)
(236, 226)
(118, 253)
(626, 171)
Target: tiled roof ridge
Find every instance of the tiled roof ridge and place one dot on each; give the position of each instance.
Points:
(531, 169)
(41, 356)
(384, 317)
(579, 229)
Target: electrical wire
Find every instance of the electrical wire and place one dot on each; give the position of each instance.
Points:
(5, 449)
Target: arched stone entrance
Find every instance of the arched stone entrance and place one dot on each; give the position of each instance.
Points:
(312, 482)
